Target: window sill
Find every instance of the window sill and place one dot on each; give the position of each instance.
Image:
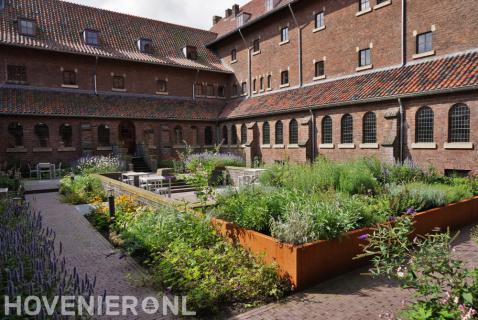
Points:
(118, 90)
(70, 86)
(383, 4)
(233, 61)
(17, 82)
(318, 29)
(319, 78)
(367, 67)
(284, 42)
(293, 146)
(66, 149)
(326, 146)
(459, 146)
(279, 146)
(424, 145)
(211, 97)
(42, 149)
(369, 146)
(284, 85)
(162, 93)
(424, 54)
(104, 149)
(261, 91)
(346, 146)
(17, 150)
(266, 146)
(361, 13)
(269, 89)
(255, 53)
(179, 146)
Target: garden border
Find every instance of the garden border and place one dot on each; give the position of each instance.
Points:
(310, 263)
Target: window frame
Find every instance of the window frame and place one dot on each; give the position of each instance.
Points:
(143, 44)
(363, 7)
(256, 45)
(235, 91)
(208, 136)
(319, 21)
(234, 55)
(118, 83)
(88, 36)
(347, 129)
(367, 57)
(459, 132)
(162, 86)
(369, 128)
(269, 82)
(284, 34)
(424, 125)
(221, 91)
(65, 132)
(425, 46)
(15, 129)
(27, 27)
(42, 132)
(266, 133)
(243, 134)
(225, 135)
(293, 132)
(244, 88)
(17, 73)
(279, 133)
(69, 78)
(210, 89)
(327, 137)
(104, 135)
(319, 66)
(284, 77)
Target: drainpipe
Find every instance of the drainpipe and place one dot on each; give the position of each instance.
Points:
(249, 63)
(313, 135)
(299, 35)
(194, 84)
(404, 33)
(95, 76)
(402, 127)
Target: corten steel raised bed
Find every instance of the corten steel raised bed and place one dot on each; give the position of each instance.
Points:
(310, 263)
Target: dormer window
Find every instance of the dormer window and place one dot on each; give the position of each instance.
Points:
(2, 4)
(271, 4)
(145, 45)
(27, 27)
(190, 52)
(243, 18)
(91, 37)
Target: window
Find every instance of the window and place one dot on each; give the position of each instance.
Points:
(233, 135)
(210, 90)
(208, 136)
(91, 37)
(256, 45)
(165, 137)
(319, 69)
(234, 55)
(327, 130)
(243, 134)
(162, 86)
(118, 82)
(369, 128)
(66, 135)
(424, 42)
(69, 78)
(284, 34)
(225, 139)
(43, 134)
(266, 133)
(319, 20)
(244, 88)
(279, 134)
(145, 46)
(424, 125)
(284, 77)
(190, 52)
(459, 124)
(234, 90)
(364, 5)
(198, 89)
(254, 85)
(293, 132)
(104, 136)
(364, 58)
(27, 27)
(347, 129)
(17, 73)
(194, 136)
(261, 83)
(2, 4)
(269, 82)
(15, 129)
(269, 5)
(221, 91)
(178, 135)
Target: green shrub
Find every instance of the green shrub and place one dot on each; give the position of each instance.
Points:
(11, 184)
(295, 227)
(356, 178)
(403, 173)
(83, 189)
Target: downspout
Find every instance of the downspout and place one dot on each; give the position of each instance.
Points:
(404, 33)
(249, 63)
(313, 135)
(299, 44)
(95, 84)
(402, 127)
(194, 84)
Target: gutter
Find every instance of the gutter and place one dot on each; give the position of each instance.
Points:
(314, 135)
(249, 64)
(299, 44)
(95, 81)
(402, 126)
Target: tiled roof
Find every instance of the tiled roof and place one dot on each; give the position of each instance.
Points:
(256, 8)
(452, 72)
(60, 25)
(30, 102)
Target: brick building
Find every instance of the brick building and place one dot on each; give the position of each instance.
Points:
(273, 80)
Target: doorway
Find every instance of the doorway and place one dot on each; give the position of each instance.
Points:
(127, 136)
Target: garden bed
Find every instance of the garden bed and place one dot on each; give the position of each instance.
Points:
(310, 263)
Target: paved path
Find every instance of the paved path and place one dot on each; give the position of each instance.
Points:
(85, 249)
(353, 296)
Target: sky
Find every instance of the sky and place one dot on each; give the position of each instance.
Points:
(193, 13)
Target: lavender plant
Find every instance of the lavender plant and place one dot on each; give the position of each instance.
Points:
(31, 264)
(98, 164)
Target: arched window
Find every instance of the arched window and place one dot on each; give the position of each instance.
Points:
(195, 136)
(104, 136)
(369, 128)
(15, 129)
(279, 133)
(178, 135)
(293, 132)
(459, 123)
(243, 134)
(43, 134)
(233, 135)
(266, 133)
(225, 136)
(347, 129)
(327, 130)
(424, 125)
(208, 137)
(66, 135)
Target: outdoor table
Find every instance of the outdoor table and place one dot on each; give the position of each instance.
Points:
(135, 176)
(146, 182)
(45, 168)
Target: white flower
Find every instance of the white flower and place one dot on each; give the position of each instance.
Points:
(401, 272)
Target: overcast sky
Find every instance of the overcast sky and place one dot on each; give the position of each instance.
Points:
(194, 13)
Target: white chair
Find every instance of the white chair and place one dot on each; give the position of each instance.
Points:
(32, 172)
(44, 168)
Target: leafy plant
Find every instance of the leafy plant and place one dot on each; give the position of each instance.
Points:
(10, 183)
(82, 189)
(356, 178)
(98, 164)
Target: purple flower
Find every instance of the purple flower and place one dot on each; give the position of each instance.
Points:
(411, 211)
(392, 219)
(364, 236)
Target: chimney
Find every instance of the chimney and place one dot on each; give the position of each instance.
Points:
(235, 9)
(215, 20)
(228, 13)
